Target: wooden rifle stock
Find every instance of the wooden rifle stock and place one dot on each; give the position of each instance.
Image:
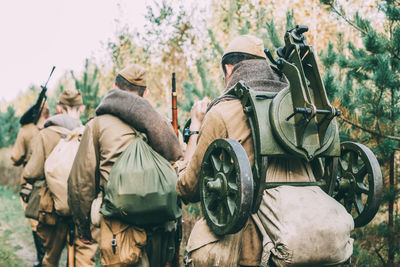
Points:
(176, 261)
(174, 105)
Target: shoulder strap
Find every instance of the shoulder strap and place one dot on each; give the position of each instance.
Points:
(61, 130)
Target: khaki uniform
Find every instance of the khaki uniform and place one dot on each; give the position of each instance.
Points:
(21, 150)
(54, 236)
(21, 153)
(227, 120)
(113, 137)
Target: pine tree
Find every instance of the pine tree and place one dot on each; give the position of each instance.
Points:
(9, 126)
(369, 95)
(88, 85)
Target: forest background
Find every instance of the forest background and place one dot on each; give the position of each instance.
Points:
(358, 43)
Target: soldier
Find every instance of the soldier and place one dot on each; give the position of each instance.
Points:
(20, 156)
(244, 59)
(53, 229)
(103, 141)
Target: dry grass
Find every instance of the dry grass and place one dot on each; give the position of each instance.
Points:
(9, 174)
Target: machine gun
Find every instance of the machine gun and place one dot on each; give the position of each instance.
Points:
(32, 115)
(297, 122)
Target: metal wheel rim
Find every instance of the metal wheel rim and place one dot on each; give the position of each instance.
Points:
(226, 186)
(359, 188)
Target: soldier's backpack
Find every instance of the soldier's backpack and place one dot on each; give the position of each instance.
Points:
(58, 166)
(141, 187)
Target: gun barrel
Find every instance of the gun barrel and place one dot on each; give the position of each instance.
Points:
(48, 79)
(174, 105)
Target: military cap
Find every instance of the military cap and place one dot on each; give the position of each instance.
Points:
(70, 97)
(134, 74)
(246, 44)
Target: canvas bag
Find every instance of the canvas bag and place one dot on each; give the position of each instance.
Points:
(58, 166)
(47, 215)
(303, 226)
(141, 187)
(32, 208)
(120, 243)
(205, 249)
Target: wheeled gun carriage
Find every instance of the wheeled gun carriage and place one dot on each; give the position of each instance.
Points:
(297, 122)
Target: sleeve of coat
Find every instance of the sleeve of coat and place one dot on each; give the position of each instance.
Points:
(213, 127)
(82, 183)
(19, 152)
(34, 169)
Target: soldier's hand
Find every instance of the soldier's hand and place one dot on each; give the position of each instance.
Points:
(198, 112)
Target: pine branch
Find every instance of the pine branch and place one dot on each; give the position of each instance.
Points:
(380, 256)
(340, 14)
(369, 130)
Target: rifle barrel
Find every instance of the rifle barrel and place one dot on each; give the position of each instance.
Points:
(174, 105)
(51, 73)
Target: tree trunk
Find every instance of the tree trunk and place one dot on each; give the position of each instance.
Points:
(391, 213)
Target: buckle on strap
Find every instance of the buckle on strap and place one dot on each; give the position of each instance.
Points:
(114, 244)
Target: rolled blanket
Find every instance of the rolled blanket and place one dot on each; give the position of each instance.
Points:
(63, 120)
(141, 115)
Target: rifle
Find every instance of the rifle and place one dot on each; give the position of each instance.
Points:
(178, 233)
(174, 105)
(32, 115)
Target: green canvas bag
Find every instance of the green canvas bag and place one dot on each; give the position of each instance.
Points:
(32, 208)
(141, 187)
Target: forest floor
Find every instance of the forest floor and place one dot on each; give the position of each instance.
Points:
(16, 241)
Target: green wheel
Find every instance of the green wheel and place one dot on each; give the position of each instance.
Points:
(359, 187)
(325, 170)
(226, 186)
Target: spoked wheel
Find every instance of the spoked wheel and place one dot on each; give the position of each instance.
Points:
(359, 186)
(226, 186)
(325, 171)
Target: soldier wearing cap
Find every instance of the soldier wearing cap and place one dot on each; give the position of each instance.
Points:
(20, 156)
(104, 139)
(53, 229)
(244, 59)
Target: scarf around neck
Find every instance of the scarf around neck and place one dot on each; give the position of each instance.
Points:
(256, 74)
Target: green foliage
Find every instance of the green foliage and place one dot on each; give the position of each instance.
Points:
(209, 86)
(290, 23)
(53, 99)
(88, 85)
(214, 42)
(369, 94)
(9, 126)
(191, 91)
(274, 37)
(167, 31)
(7, 253)
(15, 230)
